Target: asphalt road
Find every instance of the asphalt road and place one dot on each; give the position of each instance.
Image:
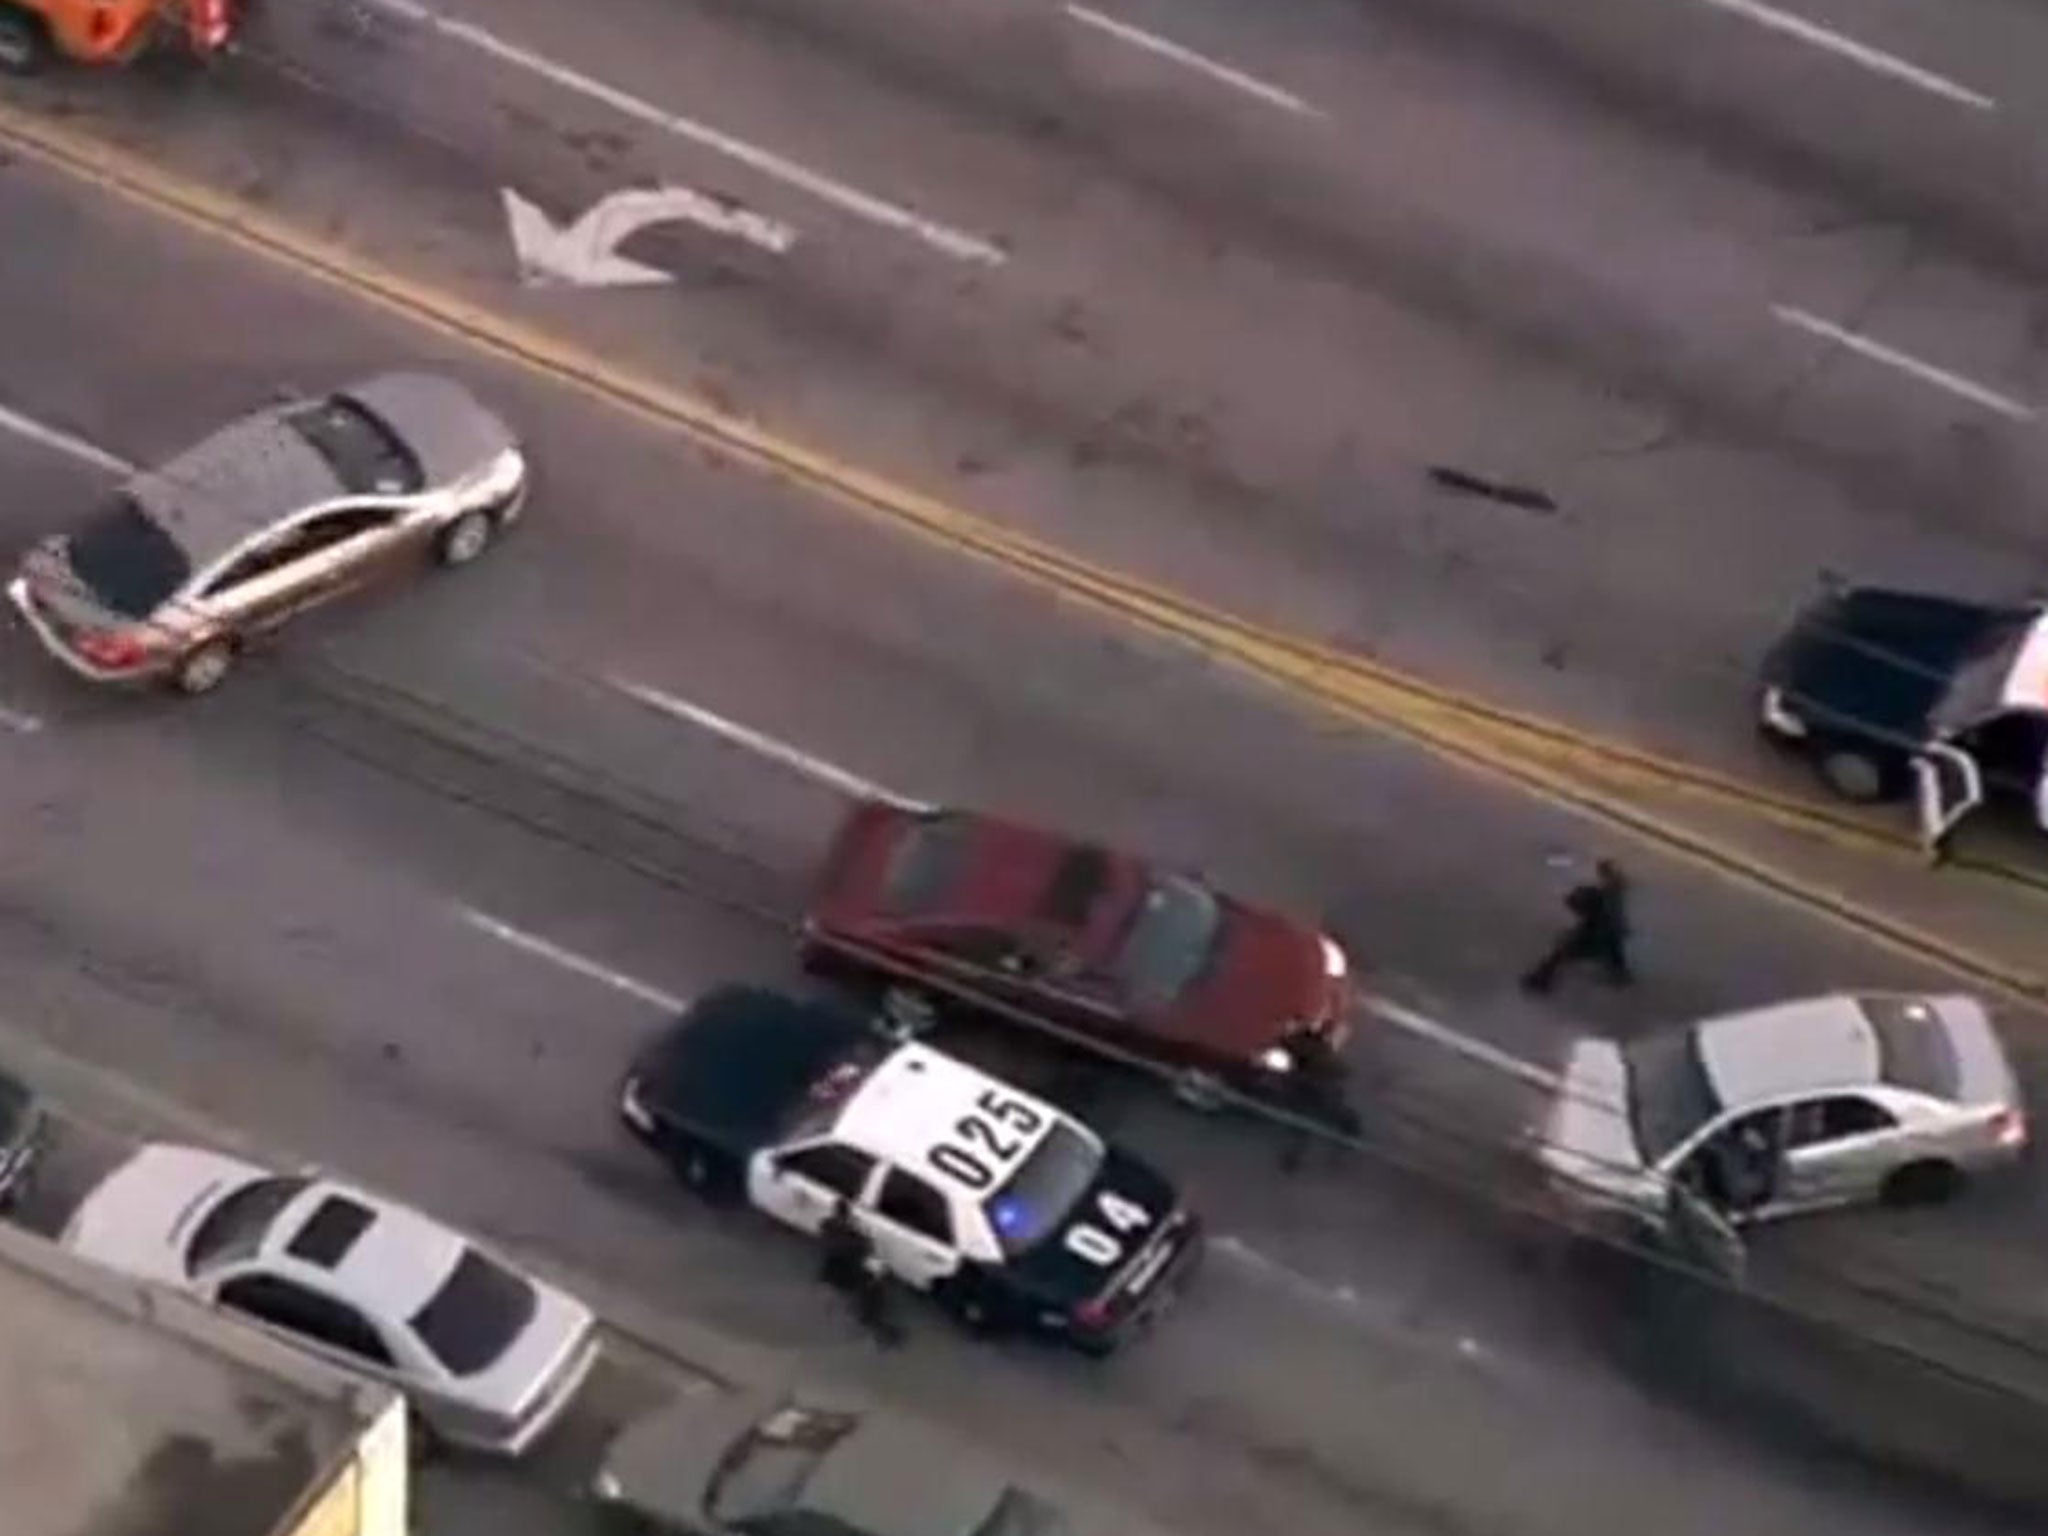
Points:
(270, 904)
(1227, 342)
(1220, 341)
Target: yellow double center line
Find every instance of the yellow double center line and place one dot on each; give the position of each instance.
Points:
(1606, 780)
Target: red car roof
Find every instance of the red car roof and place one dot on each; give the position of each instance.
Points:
(966, 870)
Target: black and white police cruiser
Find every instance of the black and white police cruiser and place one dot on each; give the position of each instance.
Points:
(1892, 694)
(1005, 1209)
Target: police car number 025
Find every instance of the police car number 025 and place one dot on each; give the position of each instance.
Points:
(1001, 1129)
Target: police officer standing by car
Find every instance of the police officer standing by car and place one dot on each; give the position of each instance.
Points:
(850, 1266)
(1316, 1093)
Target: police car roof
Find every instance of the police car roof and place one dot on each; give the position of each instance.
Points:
(915, 1092)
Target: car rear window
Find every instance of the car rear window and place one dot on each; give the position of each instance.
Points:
(126, 560)
(925, 865)
(1913, 1047)
(234, 1229)
(476, 1314)
(330, 1231)
(367, 457)
(1028, 1209)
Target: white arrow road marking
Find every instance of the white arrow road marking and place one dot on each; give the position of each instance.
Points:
(15, 720)
(831, 775)
(585, 253)
(549, 254)
(570, 961)
(953, 242)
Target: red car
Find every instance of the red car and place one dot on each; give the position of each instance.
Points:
(1033, 926)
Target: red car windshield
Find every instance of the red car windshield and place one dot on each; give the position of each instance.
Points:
(1169, 941)
(925, 865)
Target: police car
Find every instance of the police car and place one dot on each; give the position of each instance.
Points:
(1009, 1212)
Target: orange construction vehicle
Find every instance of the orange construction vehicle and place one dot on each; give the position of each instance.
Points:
(112, 31)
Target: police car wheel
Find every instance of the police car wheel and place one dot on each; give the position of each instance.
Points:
(1853, 775)
(969, 1306)
(1095, 1346)
(703, 1170)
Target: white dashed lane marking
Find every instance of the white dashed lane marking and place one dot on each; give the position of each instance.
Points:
(1201, 63)
(568, 960)
(1788, 24)
(1468, 1046)
(1877, 352)
(818, 769)
(956, 243)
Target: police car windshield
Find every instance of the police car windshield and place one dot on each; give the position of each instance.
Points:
(1028, 1209)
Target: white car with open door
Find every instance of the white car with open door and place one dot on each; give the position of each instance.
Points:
(1798, 1106)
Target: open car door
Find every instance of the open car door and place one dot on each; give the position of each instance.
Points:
(1950, 786)
(1699, 1235)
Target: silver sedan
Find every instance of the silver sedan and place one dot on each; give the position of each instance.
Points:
(272, 515)
(1794, 1107)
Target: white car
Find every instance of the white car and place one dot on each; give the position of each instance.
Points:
(1794, 1107)
(490, 1357)
(1009, 1211)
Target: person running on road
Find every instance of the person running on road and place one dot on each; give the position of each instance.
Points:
(1598, 935)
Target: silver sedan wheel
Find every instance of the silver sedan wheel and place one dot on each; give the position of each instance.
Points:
(204, 669)
(465, 538)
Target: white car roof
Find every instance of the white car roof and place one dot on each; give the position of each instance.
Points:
(1789, 1048)
(915, 1099)
(390, 1268)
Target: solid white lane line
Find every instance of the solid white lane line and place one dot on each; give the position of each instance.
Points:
(1166, 48)
(569, 960)
(953, 242)
(1381, 1312)
(15, 720)
(63, 442)
(1876, 351)
(1849, 48)
(1465, 1045)
(1252, 1258)
(829, 774)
